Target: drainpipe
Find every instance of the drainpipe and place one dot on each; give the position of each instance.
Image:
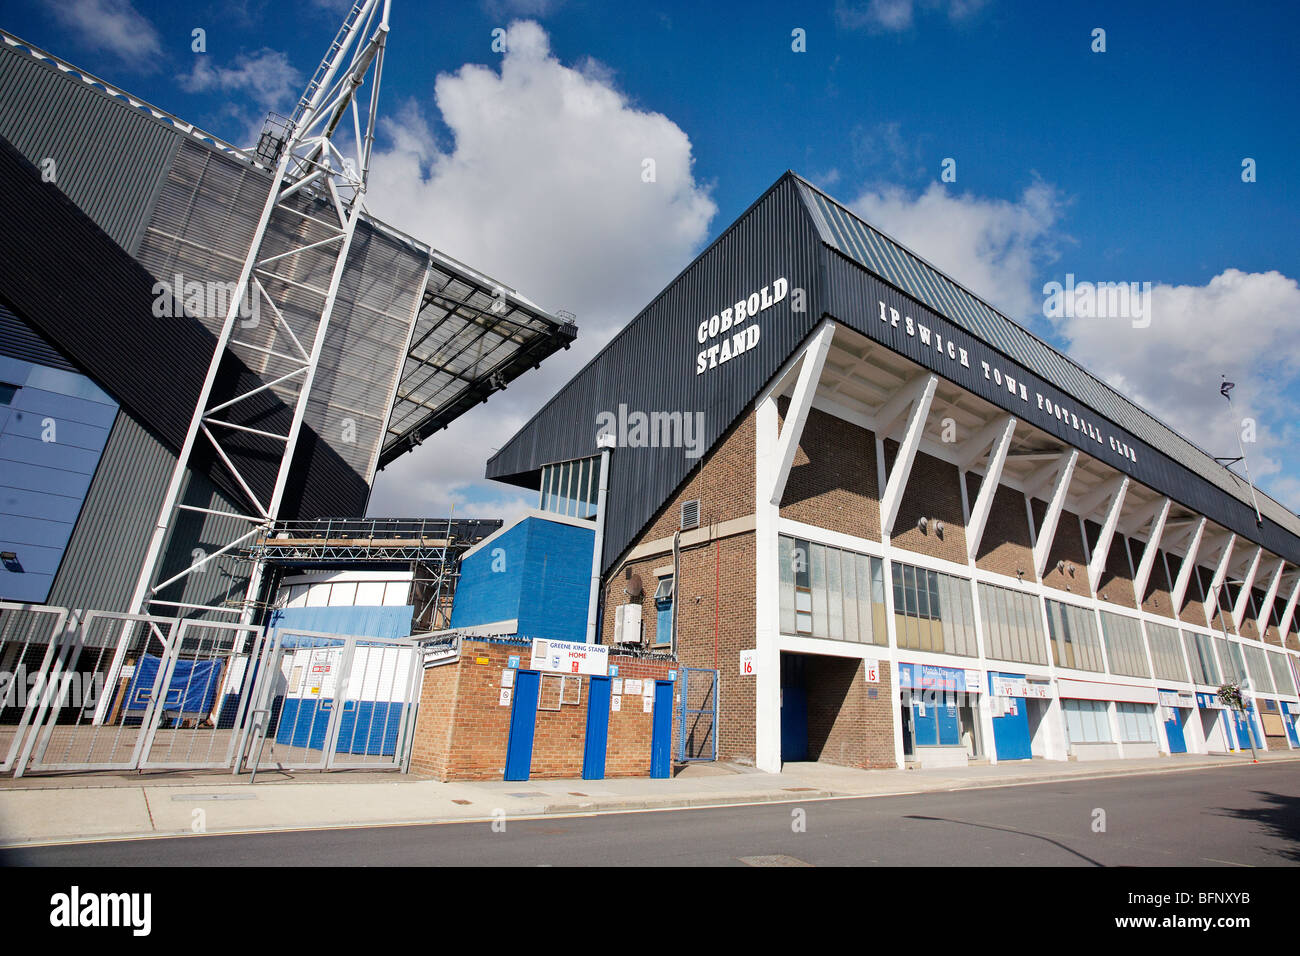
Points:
(606, 444)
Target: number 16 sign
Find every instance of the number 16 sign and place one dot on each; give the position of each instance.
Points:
(748, 663)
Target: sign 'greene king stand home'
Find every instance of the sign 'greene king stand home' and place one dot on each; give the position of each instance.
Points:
(569, 657)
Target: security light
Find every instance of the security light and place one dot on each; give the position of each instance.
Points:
(922, 523)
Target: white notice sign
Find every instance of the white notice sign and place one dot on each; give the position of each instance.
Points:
(569, 657)
(616, 702)
(873, 671)
(632, 687)
(648, 704)
(748, 663)
(505, 696)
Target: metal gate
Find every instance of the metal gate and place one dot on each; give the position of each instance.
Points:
(30, 637)
(201, 714)
(697, 727)
(100, 700)
(334, 702)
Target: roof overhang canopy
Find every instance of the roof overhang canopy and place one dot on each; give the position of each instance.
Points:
(472, 337)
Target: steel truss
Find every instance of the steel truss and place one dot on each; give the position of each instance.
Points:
(309, 166)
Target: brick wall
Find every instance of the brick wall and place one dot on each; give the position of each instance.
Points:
(1158, 598)
(1005, 547)
(463, 731)
(723, 483)
(833, 481)
(1067, 546)
(846, 726)
(1116, 579)
(932, 492)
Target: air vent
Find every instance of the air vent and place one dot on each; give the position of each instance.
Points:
(690, 514)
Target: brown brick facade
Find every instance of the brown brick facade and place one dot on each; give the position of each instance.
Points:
(846, 725)
(463, 730)
(1158, 598)
(933, 492)
(1005, 547)
(833, 481)
(1115, 584)
(1067, 547)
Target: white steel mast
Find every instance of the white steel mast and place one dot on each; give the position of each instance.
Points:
(308, 160)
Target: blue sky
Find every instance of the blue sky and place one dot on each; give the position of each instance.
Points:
(1117, 166)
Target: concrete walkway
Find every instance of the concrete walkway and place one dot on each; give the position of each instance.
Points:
(76, 809)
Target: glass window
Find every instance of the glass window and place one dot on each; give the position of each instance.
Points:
(1136, 722)
(1013, 627)
(1282, 679)
(933, 611)
(1261, 677)
(1087, 721)
(7, 393)
(664, 610)
(1075, 642)
(831, 593)
(1124, 649)
(1166, 652)
(1200, 655)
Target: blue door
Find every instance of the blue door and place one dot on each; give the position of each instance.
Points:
(523, 721)
(794, 724)
(593, 754)
(946, 717)
(1242, 724)
(661, 740)
(1174, 731)
(1011, 731)
(1288, 719)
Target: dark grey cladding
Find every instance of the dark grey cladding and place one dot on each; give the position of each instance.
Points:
(66, 278)
(651, 365)
(848, 268)
(19, 340)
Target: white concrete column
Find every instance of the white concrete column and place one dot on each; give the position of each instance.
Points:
(767, 595)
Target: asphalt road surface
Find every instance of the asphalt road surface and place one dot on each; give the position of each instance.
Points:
(1237, 816)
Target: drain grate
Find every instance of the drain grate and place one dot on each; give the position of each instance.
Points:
(776, 859)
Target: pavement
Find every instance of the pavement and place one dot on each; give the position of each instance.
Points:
(95, 807)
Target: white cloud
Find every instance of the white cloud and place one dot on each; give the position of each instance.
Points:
(1242, 325)
(266, 77)
(114, 26)
(540, 186)
(894, 16)
(994, 247)
(253, 84)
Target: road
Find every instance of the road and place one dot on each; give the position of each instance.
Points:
(1236, 816)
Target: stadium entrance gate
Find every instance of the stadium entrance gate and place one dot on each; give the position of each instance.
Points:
(104, 691)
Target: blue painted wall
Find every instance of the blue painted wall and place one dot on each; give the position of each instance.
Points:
(43, 483)
(538, 572)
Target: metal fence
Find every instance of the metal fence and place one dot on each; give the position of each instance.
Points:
(97, 690)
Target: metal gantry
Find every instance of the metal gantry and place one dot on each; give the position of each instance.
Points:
(312, 179)
(432, 547)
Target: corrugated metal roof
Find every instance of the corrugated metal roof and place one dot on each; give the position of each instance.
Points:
(847, 233)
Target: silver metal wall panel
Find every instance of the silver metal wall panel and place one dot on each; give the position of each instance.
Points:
(108, 158)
